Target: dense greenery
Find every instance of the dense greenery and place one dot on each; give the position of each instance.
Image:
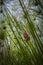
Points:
(21, 38)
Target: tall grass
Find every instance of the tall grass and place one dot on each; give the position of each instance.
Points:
(20, 51)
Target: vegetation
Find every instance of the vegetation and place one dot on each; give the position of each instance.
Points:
(21, 39)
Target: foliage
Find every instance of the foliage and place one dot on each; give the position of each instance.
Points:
(18, 51)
